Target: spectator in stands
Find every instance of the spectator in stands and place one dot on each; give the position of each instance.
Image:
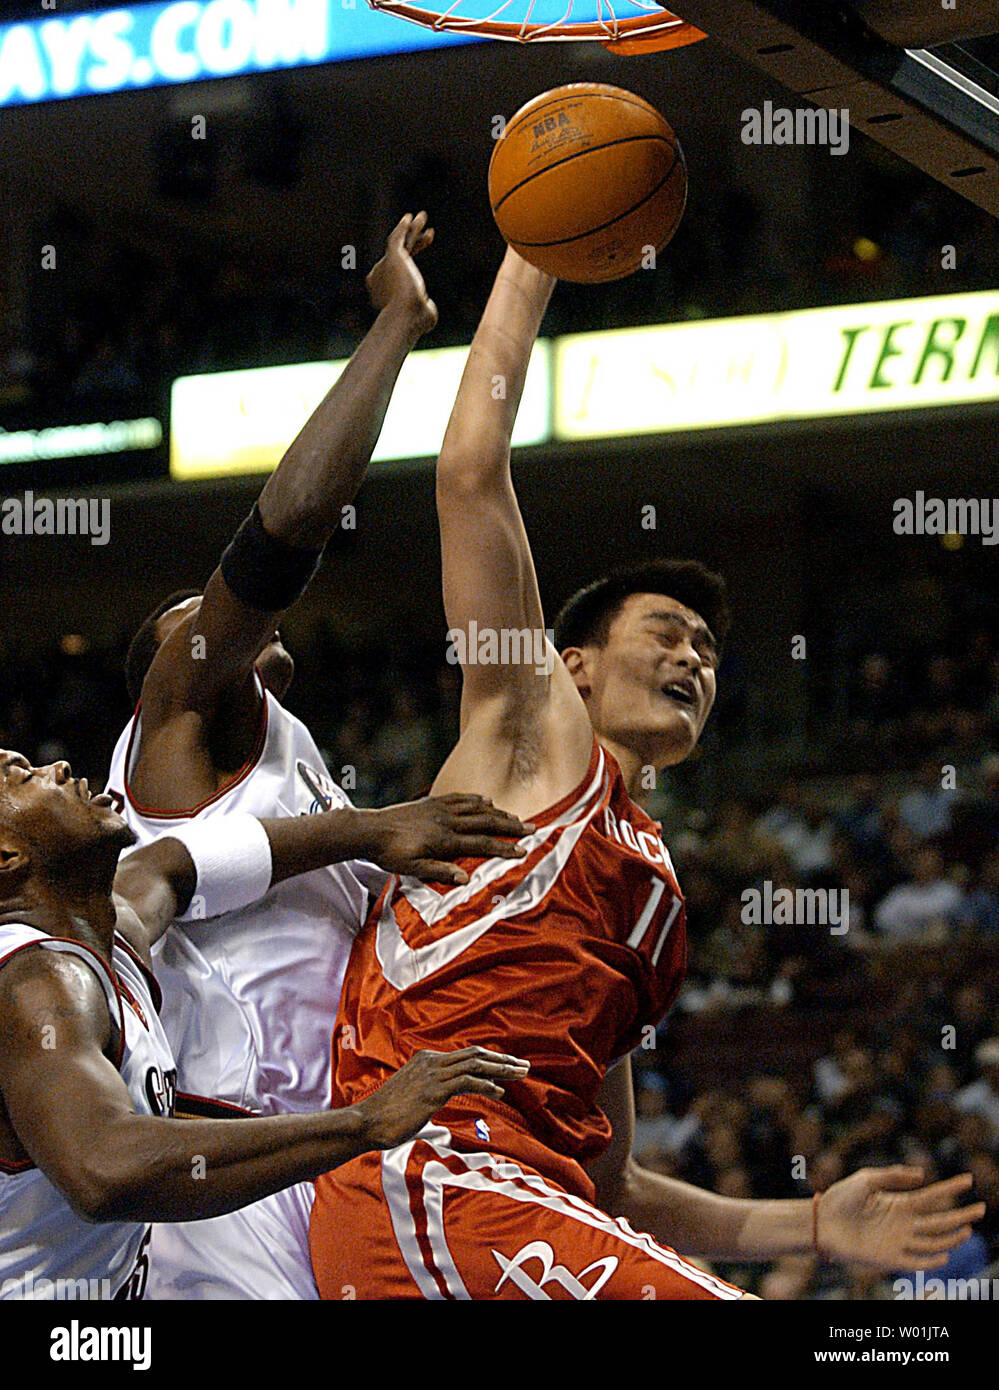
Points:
(860, 821)
(802, 827)
(655, 1127)
(926, 905)
(926, 810)
(876, 700)
(737, 851)
(976, 818)
(980, 911)
(981, 1097)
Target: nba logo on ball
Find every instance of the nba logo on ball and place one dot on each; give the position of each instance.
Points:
(550, 123)
(585, 179)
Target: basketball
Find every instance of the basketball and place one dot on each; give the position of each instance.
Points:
(587, 182)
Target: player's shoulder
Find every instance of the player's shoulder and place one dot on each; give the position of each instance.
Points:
(42, 987)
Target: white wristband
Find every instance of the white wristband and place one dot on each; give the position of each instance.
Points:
(232, 856)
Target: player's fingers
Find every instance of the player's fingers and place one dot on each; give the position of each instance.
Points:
(423, 242)
(415, 230)
(899, 1177)
(935, 1245)
(465, 1056)
(511, 1070)
(485, 847)
(941, 1222)
(488, 820)
(473, 1085)
(398, 234)
(914, 1260)
(439, 871)
(459, 803)
(942, 1194)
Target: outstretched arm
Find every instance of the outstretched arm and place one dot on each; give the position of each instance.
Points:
(520, 714)
(884, 1217)
(74, 1116)
(207, 661)
(155, 884)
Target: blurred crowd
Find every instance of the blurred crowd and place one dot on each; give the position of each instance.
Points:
(945, 705)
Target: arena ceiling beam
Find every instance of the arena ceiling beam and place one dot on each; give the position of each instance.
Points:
(937, 108)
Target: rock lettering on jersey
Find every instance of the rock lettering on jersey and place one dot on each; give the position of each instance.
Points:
(643, 842)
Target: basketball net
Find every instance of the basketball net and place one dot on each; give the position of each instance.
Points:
(642, 26)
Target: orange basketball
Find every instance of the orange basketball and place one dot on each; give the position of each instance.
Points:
(586, 181)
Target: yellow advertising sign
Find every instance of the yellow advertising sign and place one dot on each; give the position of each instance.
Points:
(844, 360)
(241, 422)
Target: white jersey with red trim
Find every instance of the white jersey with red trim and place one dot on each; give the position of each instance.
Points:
(249, 999)
(46, 1250)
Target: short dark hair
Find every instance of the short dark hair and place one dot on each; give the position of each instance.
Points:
(587, 617)
(144, 644)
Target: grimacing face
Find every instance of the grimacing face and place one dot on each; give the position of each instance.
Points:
(53, 814)
(652, 685)
(274, 662)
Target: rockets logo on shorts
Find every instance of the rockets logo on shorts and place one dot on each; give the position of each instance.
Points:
(552, 1273)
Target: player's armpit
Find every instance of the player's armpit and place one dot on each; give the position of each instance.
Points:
(209, 657)
(523, 722)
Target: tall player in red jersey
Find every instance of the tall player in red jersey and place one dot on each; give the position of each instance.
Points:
(564, 956)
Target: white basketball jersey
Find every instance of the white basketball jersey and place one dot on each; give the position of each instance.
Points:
(250, 998)
(46, 1250)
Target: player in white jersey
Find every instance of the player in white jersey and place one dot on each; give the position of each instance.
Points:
(89, 1155)
(240, 992)
(249, 1002)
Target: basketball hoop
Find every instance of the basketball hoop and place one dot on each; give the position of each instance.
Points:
(643, 26)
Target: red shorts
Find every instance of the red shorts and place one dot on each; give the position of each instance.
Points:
(438, 1218)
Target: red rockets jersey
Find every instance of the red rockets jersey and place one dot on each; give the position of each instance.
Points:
(560, 958)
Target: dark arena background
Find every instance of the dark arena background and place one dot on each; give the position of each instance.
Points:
(802, 391)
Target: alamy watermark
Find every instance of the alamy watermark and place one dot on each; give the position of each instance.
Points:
(806, 125)
(76, 1343)
(57, 516)
(947, 516)
(76, 1290)
(505, 646)
(957, 1290)
(797, 907)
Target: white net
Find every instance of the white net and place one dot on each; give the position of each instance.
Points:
(524, 21)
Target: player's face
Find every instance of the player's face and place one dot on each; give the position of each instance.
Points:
(652, 685)
(54, 812)
(274, 662)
